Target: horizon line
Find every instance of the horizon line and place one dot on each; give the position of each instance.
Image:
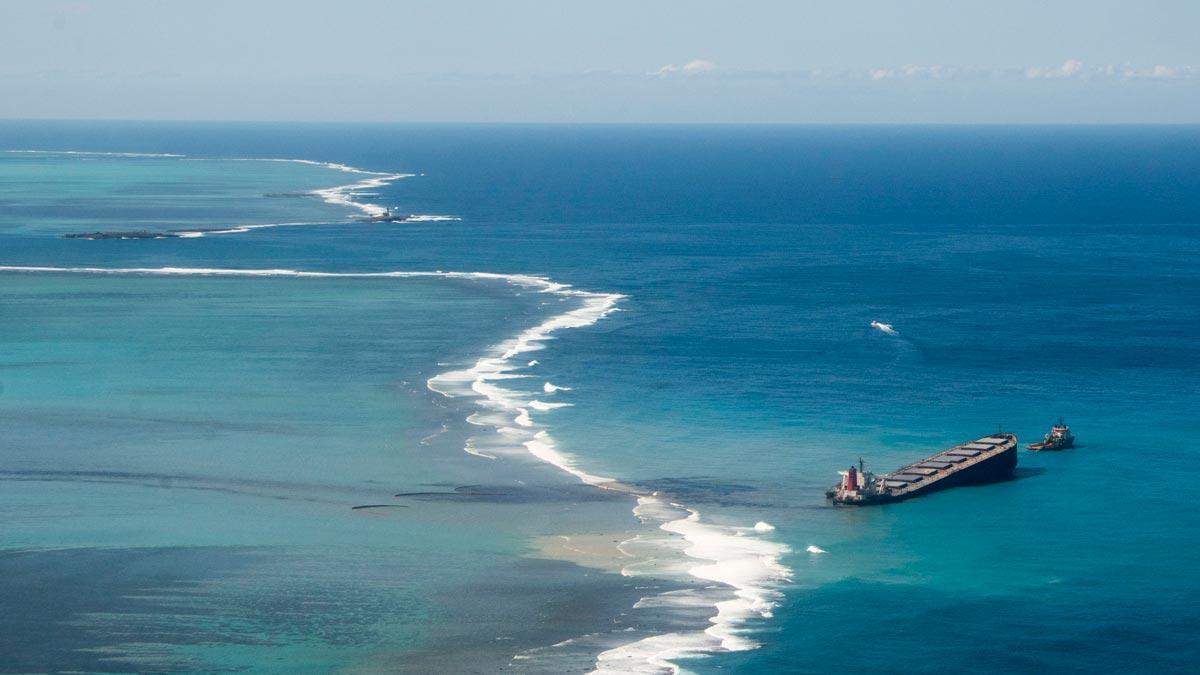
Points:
(600, 123)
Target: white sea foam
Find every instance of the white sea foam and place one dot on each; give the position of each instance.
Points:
(524, 280)
(235, 229)
(88, 153)
(348, 194)
(884, 328)
(542, 405)
(732, 557)
(523, 418)
(343, 195)
(745, 567)
(471, 449)
(429, 218)
(815, 549)
(551, 388)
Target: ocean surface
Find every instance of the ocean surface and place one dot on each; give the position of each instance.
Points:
(579, 413)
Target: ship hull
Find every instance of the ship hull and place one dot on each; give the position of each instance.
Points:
(998, 467)
(1040, 447)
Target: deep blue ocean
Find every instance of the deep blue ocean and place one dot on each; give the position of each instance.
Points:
(180, 450)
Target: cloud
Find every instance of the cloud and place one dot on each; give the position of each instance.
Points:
(693, 67)
(1069, 68)
(1161, 72)
(699, 66)
(913, 71)
(1074, 68)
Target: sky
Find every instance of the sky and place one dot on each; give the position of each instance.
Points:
(791, 61)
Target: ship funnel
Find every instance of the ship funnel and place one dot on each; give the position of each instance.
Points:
(852, 479)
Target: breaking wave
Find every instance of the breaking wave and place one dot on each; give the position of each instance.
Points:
(88, 153)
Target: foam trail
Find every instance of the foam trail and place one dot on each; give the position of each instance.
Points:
(87, 153)
(235, 229)
(343, 195)
(429, 218)
(524, 419)
(470, 448)
(542, 405)
(815, 549)
(481, 379)
(884, 328)
(551, 388)
(524, 280)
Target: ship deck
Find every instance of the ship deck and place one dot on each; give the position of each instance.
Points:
(920, 475)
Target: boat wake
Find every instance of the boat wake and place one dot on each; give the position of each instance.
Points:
(885, 328)
(734, 572)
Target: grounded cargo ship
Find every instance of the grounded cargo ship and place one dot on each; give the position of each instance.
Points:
(985, 460)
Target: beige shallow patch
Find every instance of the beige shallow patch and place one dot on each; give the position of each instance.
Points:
(596, 551)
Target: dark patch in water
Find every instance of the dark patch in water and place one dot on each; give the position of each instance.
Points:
(132, 234)
(520, 494)
(165, 609)
(57, 592)
(526, 604)
(24, 414)
(253, 488)
(380, 506)
(35, 364)
(1023, 472)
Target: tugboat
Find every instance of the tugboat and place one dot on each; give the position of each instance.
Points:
(1059, 438)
